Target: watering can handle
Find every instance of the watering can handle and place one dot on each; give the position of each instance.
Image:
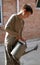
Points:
(21, 41)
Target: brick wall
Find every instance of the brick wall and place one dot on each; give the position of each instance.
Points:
(32, 24)
(9, 7)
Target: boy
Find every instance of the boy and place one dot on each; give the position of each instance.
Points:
(13, 28)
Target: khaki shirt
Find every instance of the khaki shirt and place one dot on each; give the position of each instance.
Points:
(15, 26)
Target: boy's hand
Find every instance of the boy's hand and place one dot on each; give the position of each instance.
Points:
(20, 38)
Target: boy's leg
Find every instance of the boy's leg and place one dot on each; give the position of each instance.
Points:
(8, 58)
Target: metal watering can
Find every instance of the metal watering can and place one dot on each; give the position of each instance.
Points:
(19, 49)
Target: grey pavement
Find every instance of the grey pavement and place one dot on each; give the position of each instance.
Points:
(2, 62)
(32, 58)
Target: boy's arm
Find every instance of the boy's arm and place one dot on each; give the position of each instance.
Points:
(8, 26)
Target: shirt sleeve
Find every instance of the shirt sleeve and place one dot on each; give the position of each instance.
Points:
(9, 27)
(8, 24)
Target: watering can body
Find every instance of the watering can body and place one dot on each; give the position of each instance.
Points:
(19, 49)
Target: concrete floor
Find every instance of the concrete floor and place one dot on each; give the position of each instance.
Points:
(2, 62)
(32, 58)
